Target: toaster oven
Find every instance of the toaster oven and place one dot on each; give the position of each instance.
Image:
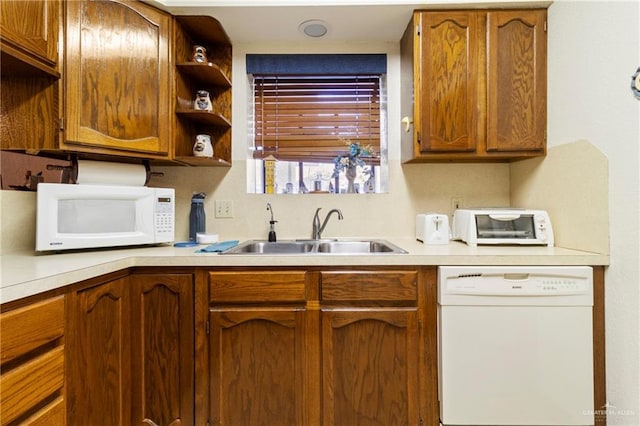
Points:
(502, 226)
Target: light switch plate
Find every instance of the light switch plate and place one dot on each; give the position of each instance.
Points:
(224, 208)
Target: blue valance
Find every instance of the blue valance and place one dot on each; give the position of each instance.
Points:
(300, 64)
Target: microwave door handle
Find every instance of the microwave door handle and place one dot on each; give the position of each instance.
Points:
(504, 217)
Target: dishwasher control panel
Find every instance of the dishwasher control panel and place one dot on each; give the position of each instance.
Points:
(516, 281)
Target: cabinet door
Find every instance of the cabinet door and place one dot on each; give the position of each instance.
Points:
(30, 27)
(162, 349)
(370, 366)
(117, 78)
(98, 373)
(257, 366)
(516, 87)
(448, 105)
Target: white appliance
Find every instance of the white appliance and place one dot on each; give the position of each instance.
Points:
(88, 216)
(432, 228)
(502, 226)
(515, 345)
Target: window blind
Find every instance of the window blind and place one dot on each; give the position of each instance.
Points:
(313, 118)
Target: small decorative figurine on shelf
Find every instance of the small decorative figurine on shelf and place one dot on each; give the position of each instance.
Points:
(199, 54)
(202, 147)
(203, 101)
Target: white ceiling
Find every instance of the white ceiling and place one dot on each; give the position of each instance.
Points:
(277, 21)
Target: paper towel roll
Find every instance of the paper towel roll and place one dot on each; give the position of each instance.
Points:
(106, 173)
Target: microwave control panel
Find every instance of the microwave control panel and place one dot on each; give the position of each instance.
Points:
(165, 212)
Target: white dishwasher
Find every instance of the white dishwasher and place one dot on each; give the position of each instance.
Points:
(515, 345)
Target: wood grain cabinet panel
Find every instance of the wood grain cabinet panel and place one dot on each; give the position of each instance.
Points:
(370, 366)
(33, 358)
(370, 344)
(117, 78)
(517, 83)
(266, 286)
(382, 285)
(474, 83)
(29, 31)
(257, 366)
(99, 361)
(449, 87)
(162, 348)
(131, 358)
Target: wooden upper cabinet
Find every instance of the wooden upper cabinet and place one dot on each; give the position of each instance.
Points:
(517, 83)
(479, 85)
(29, 33)
(117, 79)
(449, 81)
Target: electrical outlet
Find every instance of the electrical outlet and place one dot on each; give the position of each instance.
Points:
(456, 203)
(224, 208)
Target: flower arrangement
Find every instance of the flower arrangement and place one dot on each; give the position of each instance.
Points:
(353, 159)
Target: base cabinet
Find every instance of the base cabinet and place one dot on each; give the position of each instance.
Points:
(258, 348)
(257, 375)
(317, 347)
(33, 364)
(370, 367)
(131, 353)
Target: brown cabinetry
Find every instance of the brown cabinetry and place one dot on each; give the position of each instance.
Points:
(29, 35)
(474, 84)
(333, 347)
(128, 87)
(370, 347)
(117, 79)
(98, 355)
(162, 349)
(132, 351)
(213, 76)
(258, 348)
(32, 362)
(29, 74)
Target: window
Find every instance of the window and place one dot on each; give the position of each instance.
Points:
(306, 114)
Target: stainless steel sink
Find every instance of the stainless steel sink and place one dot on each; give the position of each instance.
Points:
(315, 247)
(266, 247)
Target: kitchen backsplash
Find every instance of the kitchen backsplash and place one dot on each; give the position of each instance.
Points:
(571, 183)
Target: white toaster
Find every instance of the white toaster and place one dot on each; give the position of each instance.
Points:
(432, 228)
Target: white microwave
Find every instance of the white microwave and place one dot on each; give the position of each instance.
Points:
(89, 216)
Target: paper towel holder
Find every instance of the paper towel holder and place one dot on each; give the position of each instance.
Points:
(70, 173)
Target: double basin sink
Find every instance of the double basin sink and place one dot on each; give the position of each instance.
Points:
(315, 247)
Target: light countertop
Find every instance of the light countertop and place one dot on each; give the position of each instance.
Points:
(26, 274)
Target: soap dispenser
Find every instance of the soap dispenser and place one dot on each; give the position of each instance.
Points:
(272, 231)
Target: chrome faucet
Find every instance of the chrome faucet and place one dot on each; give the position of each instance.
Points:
(316, 233)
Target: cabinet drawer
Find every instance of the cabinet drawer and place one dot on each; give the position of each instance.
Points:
(30, 327)
(55, 413)
(259, 286)
(30, 383)
(369, 285)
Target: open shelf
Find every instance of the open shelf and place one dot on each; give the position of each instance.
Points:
(207, 73)
(205, 117)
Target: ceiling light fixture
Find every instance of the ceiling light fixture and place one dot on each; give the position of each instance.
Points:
(314, 28)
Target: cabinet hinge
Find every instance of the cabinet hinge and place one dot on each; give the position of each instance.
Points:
(418, 29)
(418, 137)
(420, 326)
(544, 27)
(61, 123)
(207, 328)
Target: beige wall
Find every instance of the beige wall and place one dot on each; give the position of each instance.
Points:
(571, 182)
